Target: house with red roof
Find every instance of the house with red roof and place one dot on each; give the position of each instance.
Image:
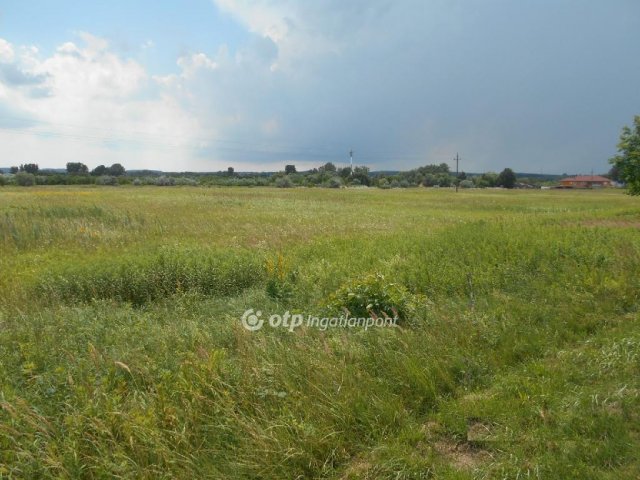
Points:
(585, 181)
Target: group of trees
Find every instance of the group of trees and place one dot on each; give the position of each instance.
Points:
(115, 170)
(328, 175)
(74, 168)
(31, 168)
(76, 174)
(77, 168)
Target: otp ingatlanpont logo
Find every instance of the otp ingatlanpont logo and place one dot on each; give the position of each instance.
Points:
(252, 321)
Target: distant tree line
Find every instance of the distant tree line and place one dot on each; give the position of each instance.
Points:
(76, 174)
(330, 176)
(327, 175)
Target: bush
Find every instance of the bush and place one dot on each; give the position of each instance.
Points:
(25, 179)
(3, 180)
(374, 295)
(466, 184)
(106, 180)
(335, 182)
(284, 182)
(186, 181)
(165, 181)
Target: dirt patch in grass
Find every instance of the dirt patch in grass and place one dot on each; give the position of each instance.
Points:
(463, 456)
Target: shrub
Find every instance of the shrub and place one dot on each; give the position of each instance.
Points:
(374, 295)
(186, 181)
(3, 180)
(335, 182)
(164, 181)
(25, 179)
(106, 180)
(284, 182)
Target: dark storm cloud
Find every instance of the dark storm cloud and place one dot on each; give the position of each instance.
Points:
(542, 85)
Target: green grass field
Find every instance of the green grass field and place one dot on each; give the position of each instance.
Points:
(122, 352)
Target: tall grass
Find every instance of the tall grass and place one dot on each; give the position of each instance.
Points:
(517, 356)
(23, 229)
(142, 279)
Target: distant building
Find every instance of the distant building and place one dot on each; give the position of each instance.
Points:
(585, 181)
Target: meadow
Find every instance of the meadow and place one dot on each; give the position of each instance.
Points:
(122, 352)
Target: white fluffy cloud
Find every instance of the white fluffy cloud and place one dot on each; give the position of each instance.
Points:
(84, 103)
(6, 51)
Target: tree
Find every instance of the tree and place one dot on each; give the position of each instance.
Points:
(628, 159)
(487, 179)
(327, 167)
(99, 171)
(14, 170)
(345, 172)
(30, 168)
(506, 179)
(116, 170)
(77, 168)
(289, 169)
(230, 171)
(361, 174)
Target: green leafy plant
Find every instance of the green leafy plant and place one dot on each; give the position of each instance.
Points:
(374, 295)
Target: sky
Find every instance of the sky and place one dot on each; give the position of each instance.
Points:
(540, 86)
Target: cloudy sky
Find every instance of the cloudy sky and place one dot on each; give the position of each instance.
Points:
(535, 85)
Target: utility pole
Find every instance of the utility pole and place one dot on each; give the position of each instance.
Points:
(351, 160)
(457, 175)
